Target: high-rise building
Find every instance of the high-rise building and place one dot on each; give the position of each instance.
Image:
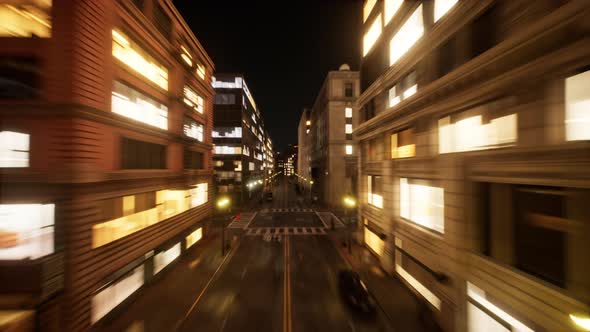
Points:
(241, 146)
(105, 153)
(331, 151)
(474, 167)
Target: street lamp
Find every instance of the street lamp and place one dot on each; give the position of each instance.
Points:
(310, 185)
(349, 203)
(223, 204)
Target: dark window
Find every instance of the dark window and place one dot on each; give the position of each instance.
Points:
(19, 77)
(142, 155)
(193, 160)
(162, 21)
(348, 90)
(369, 111)
(225, 99)
(138, 4)
(540, 250)
(447, 57)
(483, 33)
(349, 136)
(145, 201)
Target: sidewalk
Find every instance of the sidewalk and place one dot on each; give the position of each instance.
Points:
(400, 305)
(164, 302)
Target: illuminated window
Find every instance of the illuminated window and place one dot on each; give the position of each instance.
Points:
(237, 165)
(407, 36)
(251, 166)
(22, 18)
(219, 163)
(418, 286)
(223, 149)
(348, 112)
(577, 107)
(186, 56)
(441, 7)
(349, 149)
(374, 191)
(14, 149)
(164, 258)
(227, 132)
(201, 71)
(194, 237)
(348, 129)
(368, 8)
(115, 293)
(131, 103)
(168, 203)
(199, 194)
(390, 8)
(374, 242)
(193, 129)
(470, 133)
(403, 144)
(246, 151)
(26, 231)
(193, 100)
(394, 97)
(478, 320)
(132, 55)
(422, 204)
(372, 35)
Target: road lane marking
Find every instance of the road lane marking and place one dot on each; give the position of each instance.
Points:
(226, 258)
(287, 289)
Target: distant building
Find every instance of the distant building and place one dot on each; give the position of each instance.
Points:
(304, 148)
(331, 151)
(474, 165)
(242, 148)
(105, 155)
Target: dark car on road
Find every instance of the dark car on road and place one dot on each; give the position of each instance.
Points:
(354, 292)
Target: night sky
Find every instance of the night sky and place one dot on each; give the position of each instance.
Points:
(284, 49)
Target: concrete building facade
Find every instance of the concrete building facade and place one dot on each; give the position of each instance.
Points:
(332, 152)
(304, 150)
(241, 144)
(474, 160)
(105, 154)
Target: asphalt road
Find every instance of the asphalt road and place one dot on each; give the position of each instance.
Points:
(287, 283)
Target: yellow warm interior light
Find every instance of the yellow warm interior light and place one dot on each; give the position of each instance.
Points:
(374, 242)
(390, 8)
(139, 60)
(201, 71)
(308, 123)
(406, 36)
(168, 204)
(194, 237)
(581, 321)
(25, 20)
(372, 35)
(368, 8)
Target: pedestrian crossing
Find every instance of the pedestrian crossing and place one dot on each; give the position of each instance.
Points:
(272, 231)
(242, 220)
(275, 210)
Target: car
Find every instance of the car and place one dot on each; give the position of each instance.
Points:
(355, 292)
(268, 196)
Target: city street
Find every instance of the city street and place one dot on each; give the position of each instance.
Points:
(282, 279)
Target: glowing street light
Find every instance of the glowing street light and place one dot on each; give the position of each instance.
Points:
(223, 202)
(349, 201)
